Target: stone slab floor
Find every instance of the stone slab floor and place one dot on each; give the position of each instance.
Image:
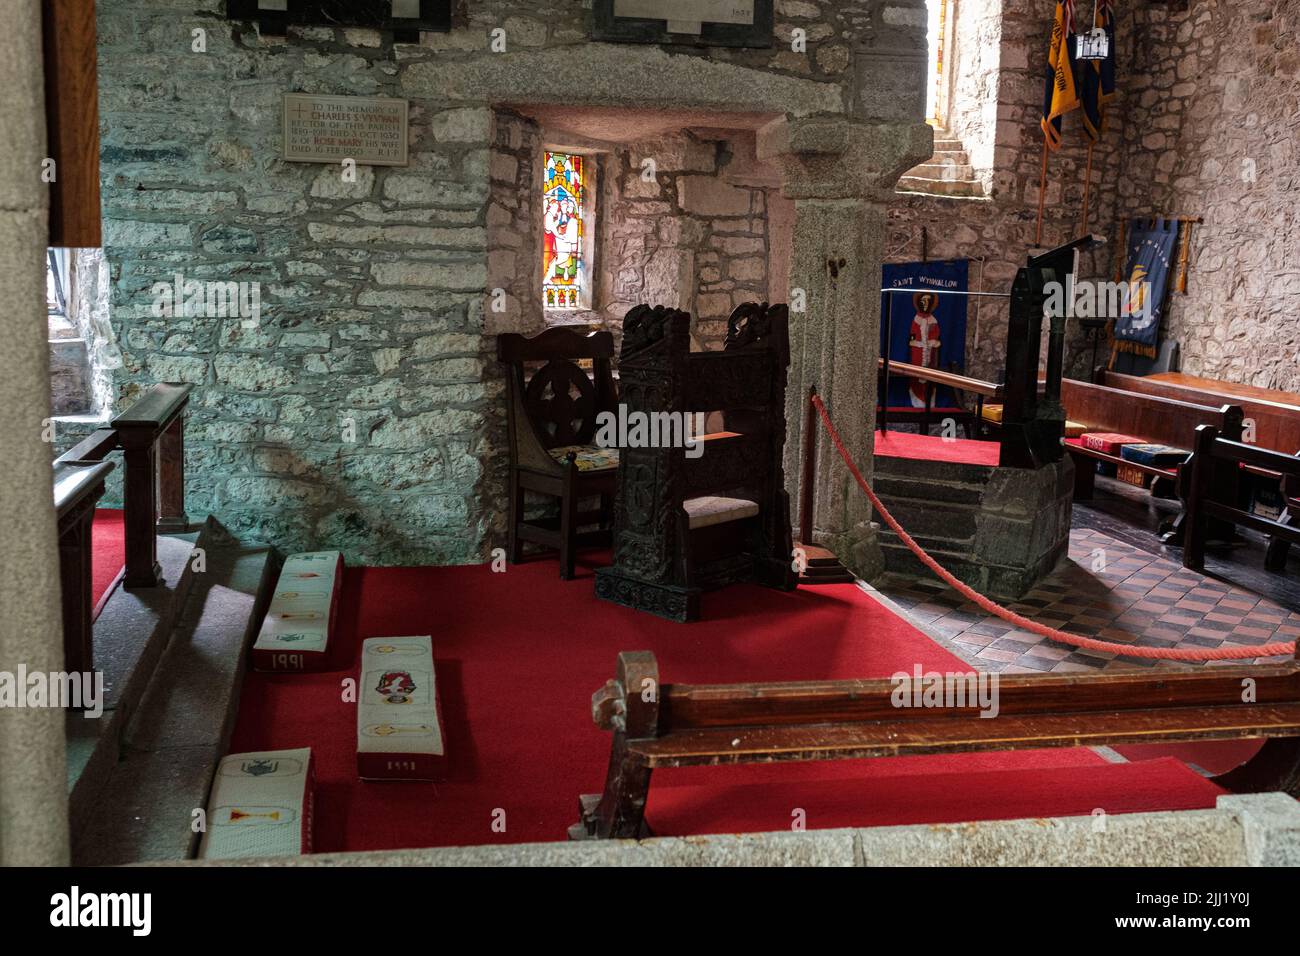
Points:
(1118, 584)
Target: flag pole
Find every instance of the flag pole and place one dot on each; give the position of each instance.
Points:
(1087, 184)
(1042, 195)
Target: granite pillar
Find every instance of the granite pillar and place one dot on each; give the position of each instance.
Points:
(33, 778)
(840, 174)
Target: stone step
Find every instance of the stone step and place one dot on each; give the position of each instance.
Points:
(957, 157)
(183, 724)
(942, 171)
(958, 187)
(947, 143)
(927, 520)
(129, 637)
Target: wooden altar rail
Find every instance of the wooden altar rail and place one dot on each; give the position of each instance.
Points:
(1207, 501)
(674, 725)
(151, 436)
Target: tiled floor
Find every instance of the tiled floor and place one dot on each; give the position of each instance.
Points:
(1108, 589)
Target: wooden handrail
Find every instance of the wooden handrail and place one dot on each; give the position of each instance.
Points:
(95, 447)
(955, 380)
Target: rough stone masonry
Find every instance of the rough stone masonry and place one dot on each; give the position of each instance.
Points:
(364, 410)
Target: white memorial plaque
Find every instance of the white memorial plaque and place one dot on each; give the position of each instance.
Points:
(688, 16)
(371, 130)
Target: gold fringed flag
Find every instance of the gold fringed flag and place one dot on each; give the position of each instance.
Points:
(1061, 94)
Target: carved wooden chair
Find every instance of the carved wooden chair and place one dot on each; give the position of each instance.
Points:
(552, 409)
(685, 524)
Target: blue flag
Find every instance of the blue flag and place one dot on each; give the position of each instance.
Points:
(1150, 253)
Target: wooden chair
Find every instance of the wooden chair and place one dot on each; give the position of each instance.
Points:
(689, 523)
(551, 422)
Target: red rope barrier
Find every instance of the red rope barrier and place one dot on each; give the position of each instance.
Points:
(1164, 653)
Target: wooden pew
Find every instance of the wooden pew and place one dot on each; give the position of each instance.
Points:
(1214, 454)
(1157, 420)
(674, 725)
(686, 523)
(1275, 414)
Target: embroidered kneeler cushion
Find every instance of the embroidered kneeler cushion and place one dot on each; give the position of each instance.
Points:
(1156, 456)
(993, 413)
(296, 631)
(587, 457)
(1108, 442)
(399, 728)
(260, 805)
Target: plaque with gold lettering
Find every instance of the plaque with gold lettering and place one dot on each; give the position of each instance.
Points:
(369, 130)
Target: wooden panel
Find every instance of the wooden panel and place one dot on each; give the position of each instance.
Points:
(733, 379)
(72, 121)
(1276, 413)
(1161, 420)
(932, 735)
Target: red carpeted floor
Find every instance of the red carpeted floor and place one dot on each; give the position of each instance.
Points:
(963, 451)
(107, 553)
(520, 653)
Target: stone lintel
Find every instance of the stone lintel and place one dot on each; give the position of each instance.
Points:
(835, 158)
(610, 74)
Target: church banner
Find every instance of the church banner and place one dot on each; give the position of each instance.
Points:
(926, 329)
(1150, 252)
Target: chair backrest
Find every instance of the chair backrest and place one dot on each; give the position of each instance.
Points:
(559, 400)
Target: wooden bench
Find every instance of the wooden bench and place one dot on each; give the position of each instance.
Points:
(1274, 414)
(676, 725)
(1212, 496)
(1162, 421)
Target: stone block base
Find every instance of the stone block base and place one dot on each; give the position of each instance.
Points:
(999, 530)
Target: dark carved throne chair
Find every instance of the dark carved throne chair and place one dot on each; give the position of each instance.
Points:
(551, 423)
(685, 524)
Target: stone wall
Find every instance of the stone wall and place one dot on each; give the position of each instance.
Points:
(359, 410)
(686, 226)
(997, 233)
(1212, 131)
(973, 65)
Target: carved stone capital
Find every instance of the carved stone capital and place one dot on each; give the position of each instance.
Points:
(837, 158)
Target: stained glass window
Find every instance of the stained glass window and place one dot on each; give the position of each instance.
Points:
(564, 276)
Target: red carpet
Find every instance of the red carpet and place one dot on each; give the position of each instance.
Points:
(962, 451)
(519, 655)
(108, 553)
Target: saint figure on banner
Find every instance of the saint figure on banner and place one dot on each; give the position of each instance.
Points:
(925, 342)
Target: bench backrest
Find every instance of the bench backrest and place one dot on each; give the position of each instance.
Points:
(1277, 426)
(552, 401)
(657, 725)
(1158, 420)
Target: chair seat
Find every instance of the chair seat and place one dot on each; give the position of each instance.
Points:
(589, 457)
(710, 510)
